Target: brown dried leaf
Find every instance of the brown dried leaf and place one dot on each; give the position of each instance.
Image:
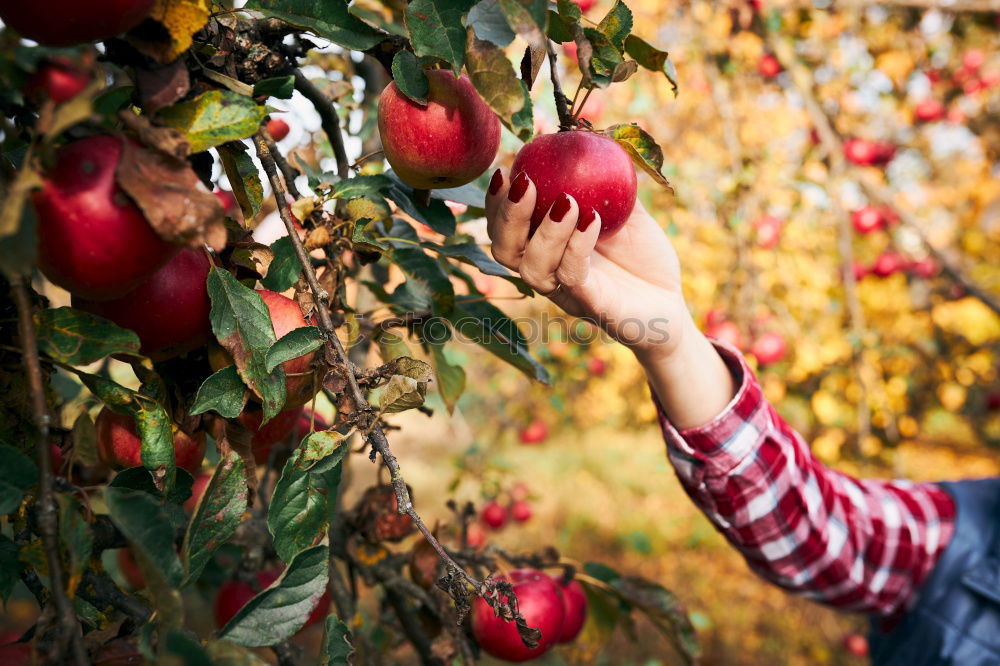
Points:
(318, 238)
(164, 139)
(170, 195)
(162, 86)
(232, 436)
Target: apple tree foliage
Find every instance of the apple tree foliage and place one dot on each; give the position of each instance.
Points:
(191, 86)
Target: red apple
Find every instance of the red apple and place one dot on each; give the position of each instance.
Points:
(540, 603)
(585, 5)
(535, 433)
(169, 310)
(574, 607)
(768, 231)
(884, 152)
(228, 201)
(520, 511)
(888, 263)
(596, 366)
(928, 110)
(92, 240)
(286, 316)
(926, 268)
(276, 430)
(447, 143)
(569, 48)
(856, 645)
(197, 490)
(66, 22)
(727, 332)
(494, 515)
(519, 492)
(993, 402)
(16, 654)
(973, 59)
(277, 128)
(119, 446)
(130, 569)
(425, 564)
(769, 348)
(58, 79)
(867, 219)
(768, 66)
(234, 595)
(868, 153)
(475, 536)
(56, 453)
(591, 168)
(860, 271)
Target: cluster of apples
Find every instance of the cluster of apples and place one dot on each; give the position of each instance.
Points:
(769, 347)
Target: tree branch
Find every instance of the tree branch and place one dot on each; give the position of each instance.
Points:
(329, 119)
(288, 172)
(562, 103)
(69, 634)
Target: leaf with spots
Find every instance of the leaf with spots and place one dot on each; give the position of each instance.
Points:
(493, 76)
(219, 512)
(244, 178)
(617, 25)
(652, 58)
(436, 29)
(214, 118)
(642, 148)
(143, 521)
(75, 337)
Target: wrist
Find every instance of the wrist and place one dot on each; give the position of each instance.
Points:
(681, 341)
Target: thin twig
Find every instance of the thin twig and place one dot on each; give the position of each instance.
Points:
(69, 633)
(328, 118)
(288, 172)
(562, 103)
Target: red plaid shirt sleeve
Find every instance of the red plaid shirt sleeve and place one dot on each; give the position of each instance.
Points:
(860, 545)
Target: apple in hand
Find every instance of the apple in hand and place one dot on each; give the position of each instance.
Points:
(169, 310)
(541, 604)
(574, 606)
(67, 22)
(277, 128)
(119, 446)
(58, 79)
(93, 240)
(591, 168)
(447, 143)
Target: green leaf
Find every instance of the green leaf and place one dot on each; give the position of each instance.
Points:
(470, 194)
(139, 478)
(450, 377)
(493, 76)
(143, 521)
(409, 78)
(337, 648)
(242, 324)
(305, 496)
(185, 649)
(617, 25)
(642, 148)
(243, 178)
(418, 266)
(328, 19)
(219, 512)
(561, 27)
(437, 215)
(76, 337)
(486, 325)
(281, 610)
(151, 422)
(223, 392)
(224, 653)
(569, 10)
(281, 87)
(371, 187)
(10, 567)
(528, 18)
(293, 344)
(436, 29)
(666, 612)
(214, 118)
(605, 58)
(111, 101)
(17, 473)
(470, 253)
(285, 268)
(487, 20)
(19, 248)
(651, 58)
(75, 537)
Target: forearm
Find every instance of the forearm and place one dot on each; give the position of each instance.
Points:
(693, 384)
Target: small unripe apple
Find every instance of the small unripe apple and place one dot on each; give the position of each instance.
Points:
(274, 431)
(768, 230)
(93, 240)
(888, 263)
(769, 348)
(591, 168)
(856, 645)
(929, 110)
(277, 128)
(67, 22)
(447, 143)
(197, 490)
(119, 446)
(494, 515)
(867, 219)
(540, 603)
(130, 569)
(169, 310)
(727, 332)
(574, 607)
(57, 79)
(768, 66)
(234, 595)
(535, 433)
(520, 511)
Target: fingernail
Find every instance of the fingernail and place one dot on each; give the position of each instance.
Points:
(586, 218)
(560, 208)
(518, 187)
(496, 182)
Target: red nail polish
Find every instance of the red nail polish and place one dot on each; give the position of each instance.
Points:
(560, 208)
(518, 188)
(496, 182)
(586, 217)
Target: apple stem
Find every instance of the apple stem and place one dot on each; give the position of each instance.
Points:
(583, 103)
(566, 120)
(68, 628)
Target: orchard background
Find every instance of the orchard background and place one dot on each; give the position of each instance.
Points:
(837, 213)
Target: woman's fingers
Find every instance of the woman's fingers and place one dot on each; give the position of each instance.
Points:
(508, 212)
(545, 250)
(575, 264)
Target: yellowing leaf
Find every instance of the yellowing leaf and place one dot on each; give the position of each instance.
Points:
(181, 18)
